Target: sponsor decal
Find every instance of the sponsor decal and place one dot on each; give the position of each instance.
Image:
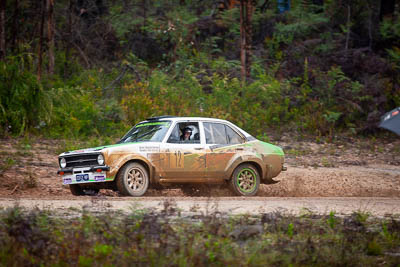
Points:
(82, 177)
(149, 148)
(67, 180)
(100, 178)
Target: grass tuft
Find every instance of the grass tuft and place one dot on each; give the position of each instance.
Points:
(146, 237)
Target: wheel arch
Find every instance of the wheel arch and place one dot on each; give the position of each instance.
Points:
(140, 161)
(256, 164)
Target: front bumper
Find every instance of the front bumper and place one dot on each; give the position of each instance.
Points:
(79, 170)
(93, 174)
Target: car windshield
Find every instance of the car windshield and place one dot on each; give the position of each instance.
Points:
(147, 132)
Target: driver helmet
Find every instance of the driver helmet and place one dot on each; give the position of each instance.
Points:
(194, 129)
(187, 130)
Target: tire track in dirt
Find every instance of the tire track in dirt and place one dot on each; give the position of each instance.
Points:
(375, 174)
(194, 206)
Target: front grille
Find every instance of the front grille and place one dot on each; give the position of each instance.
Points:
(86, 160)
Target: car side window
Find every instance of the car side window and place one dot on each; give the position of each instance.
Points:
(185, 133)
(232, 136)
(215, 133)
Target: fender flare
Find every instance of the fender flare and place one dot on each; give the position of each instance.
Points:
(133, 158)
(234, 163)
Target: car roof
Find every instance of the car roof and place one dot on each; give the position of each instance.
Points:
(177, 118)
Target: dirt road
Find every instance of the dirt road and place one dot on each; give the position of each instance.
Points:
(350, 175)
(225, 205)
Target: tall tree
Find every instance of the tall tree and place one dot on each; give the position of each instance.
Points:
(246, 11)
(15, 27)
(2, 29)
(50, 34)
(68, 42)
(144, 13)
(41, 33)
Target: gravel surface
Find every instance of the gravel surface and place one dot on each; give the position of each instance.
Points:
(346, 176)
(187, 206)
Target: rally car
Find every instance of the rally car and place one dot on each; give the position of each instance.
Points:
(167, 151)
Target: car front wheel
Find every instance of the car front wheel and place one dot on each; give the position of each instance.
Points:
(133, 180)
(245, 180)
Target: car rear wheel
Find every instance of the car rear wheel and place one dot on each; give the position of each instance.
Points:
(245, 180)
(77, 190)
(133, 180)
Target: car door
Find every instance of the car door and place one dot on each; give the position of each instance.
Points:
(183, 160)
(223, 144)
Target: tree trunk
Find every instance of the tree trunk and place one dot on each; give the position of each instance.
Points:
(2, 29)
(50, 34)
(41, 30)
(15, 27)
(246, 11)
(348, 28)
(144, 13)
(68, 41)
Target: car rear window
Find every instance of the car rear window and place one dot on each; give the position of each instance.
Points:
(221, 134)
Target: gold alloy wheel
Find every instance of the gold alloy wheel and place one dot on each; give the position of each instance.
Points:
(135, 179)
(246, 180)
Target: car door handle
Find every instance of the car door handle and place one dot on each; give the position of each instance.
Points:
(187, 153)
(239, 148)
(198, 148)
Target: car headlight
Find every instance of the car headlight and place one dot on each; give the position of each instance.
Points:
(100, 159)
(63, 163)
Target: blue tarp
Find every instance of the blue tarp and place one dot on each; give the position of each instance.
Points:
(391, 121)
(283, 6)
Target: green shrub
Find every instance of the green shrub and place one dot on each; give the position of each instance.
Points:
(23, 104)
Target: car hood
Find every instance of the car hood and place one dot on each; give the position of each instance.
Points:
(132, 147)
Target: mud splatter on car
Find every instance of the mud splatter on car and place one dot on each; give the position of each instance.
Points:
(167, 152)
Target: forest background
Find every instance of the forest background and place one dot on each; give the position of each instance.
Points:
(88, 68)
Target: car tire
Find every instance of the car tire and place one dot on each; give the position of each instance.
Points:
(133, 180)
(245, 180)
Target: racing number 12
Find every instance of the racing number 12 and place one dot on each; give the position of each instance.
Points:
(178, 159)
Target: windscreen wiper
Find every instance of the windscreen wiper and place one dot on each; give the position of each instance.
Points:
(146, 133)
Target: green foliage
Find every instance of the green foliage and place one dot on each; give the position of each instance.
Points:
(390, 29)
(185, 96)
(394, 57)
(116, 239)
(374, 248)
(290, 230)
(78, 113)
(301, 23)
(331, 220)
(7, 164)
(183, 58)
(23, 104)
